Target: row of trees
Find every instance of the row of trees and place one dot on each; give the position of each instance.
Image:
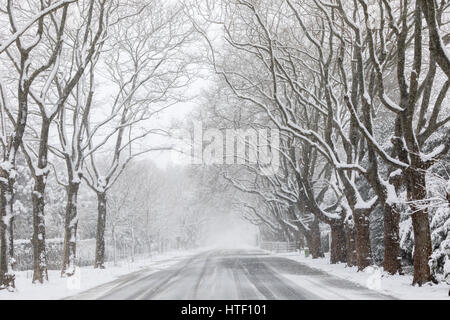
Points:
(153, 209)
(82, 82)
(359, 93)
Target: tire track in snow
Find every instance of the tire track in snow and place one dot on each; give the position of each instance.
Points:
(243, 284)
(139, 288)
(201, 277)
(271, 285)
(164, 285)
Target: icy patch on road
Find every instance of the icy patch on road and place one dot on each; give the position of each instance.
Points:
(397, 286)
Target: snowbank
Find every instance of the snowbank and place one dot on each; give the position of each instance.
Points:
(374, 278)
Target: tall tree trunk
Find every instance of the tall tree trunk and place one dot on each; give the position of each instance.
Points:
(100, 237)
(391, 217)
(416, 193)
(113, 236)
(392, 258)
(362, 232)
(316, 246)
(4, 270)
(338, 252)
(7, 277)
(70, 234)
(11, 240)
(7, 177)
(350, 245)
(40, 272)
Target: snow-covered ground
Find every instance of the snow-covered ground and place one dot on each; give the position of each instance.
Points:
(88, 277)
(232, 274)
(374, 278)
(224, 274)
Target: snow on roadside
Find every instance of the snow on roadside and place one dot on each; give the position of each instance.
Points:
(88, 277)
(374, 278)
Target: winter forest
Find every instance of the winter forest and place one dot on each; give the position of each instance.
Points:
(154, 132)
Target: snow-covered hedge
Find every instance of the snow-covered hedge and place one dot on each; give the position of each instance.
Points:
(439, 212)
(23, 252)
(440, 237)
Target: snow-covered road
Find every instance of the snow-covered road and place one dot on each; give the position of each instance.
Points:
(232, 274)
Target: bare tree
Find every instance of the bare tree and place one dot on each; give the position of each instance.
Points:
(338, 72)
(28, 39)
(147, 73)
(433, 12)
(410, 131)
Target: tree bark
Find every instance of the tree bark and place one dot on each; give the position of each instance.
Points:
(338, 252)
(316, 246)
(416, 193)
(437, 46)
(308, 240)
(392, 258)
(362, 232)
(40, 272)
(113, 235)
(40, 174)
(4, 270)
(7, 277)
(70, 234)
(350, 245)
(11, 240)
(100, 237)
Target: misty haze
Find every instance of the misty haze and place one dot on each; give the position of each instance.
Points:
(224, 150)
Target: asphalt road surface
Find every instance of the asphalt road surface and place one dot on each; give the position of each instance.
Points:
(231, 275)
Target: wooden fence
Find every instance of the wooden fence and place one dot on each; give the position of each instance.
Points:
(280, 246)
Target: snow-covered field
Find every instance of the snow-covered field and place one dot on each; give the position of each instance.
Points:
(88, 277)
(375, 279)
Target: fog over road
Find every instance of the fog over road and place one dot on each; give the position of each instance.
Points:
(231, 274)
